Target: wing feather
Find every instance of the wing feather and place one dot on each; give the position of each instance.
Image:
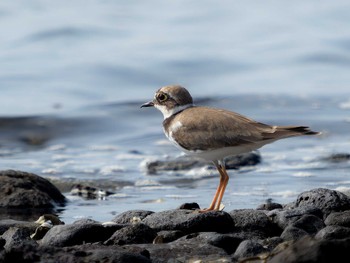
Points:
(214, 128)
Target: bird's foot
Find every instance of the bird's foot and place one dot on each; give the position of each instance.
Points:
(219, 208)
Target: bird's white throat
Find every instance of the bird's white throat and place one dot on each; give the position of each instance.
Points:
(169, 112)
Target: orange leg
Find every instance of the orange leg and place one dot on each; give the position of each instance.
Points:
(223, 181)
(215, 204)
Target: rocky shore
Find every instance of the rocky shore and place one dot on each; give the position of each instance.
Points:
(313, 228)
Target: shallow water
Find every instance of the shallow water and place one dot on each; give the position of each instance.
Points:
(74, 74)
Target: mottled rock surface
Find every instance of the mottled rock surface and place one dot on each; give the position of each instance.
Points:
(326, 200)
(190, 221)
(306, 230)
(21, 190)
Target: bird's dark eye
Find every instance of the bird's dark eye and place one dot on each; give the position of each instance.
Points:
(162, 97)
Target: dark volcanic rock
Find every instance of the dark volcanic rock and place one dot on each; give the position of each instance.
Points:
(285, 217)
(25, 190)
(17, 236)
(78, 233)
(249, 248)
(293, 233)
(5, 224)
(337, 158)
(254, 220)
(187, 162)
(245, 159)
(181, 163)
(271, 243)
(77, 254)
(131, 215)
(269, 205)
(134, 234)
(167, 236)
(326, 200)
(333, 232)
(309, 223)
(2, 243)
(228, 242)
(181, 235)
(311, 250)
(190, 221)
(339, 219)
(189, 206)
(183, 251)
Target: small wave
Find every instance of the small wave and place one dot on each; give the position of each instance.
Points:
(302, 174)
(343, 189)
(345, 105)
(57, 147)
(129, 156)
(285, 194)
(103, 148)
(173, 196)
(51, 171)
(147, 182)
(112, 169)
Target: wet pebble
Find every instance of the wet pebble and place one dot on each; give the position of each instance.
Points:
(181, 235)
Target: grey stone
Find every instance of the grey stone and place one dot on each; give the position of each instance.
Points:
(134, 234)
(188, 162)
(130, 216)
(333, 232)
(241, 160)
(309, 223)
(271, 242)
(228, 242)
(168, 236)
(5, 224)
(326, 200)
(338, 218)
(78, 233)
(254, 220)
(183, 251)
(251, 235)
(311, 250)
(337, 158)
(76, 254)
(249, 248)
(26, 190)
(293, 233)
(190, 221)
(189, 206)
(285, 217)
(17, 236)
(269, 206)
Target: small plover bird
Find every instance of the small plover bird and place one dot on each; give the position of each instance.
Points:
(213, 134)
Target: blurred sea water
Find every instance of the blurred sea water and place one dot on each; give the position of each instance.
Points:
(73, 75)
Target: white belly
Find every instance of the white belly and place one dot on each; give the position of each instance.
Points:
(220, 154)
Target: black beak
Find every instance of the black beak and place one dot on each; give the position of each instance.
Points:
(147, 104)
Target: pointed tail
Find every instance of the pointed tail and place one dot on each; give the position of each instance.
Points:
(290, 131)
